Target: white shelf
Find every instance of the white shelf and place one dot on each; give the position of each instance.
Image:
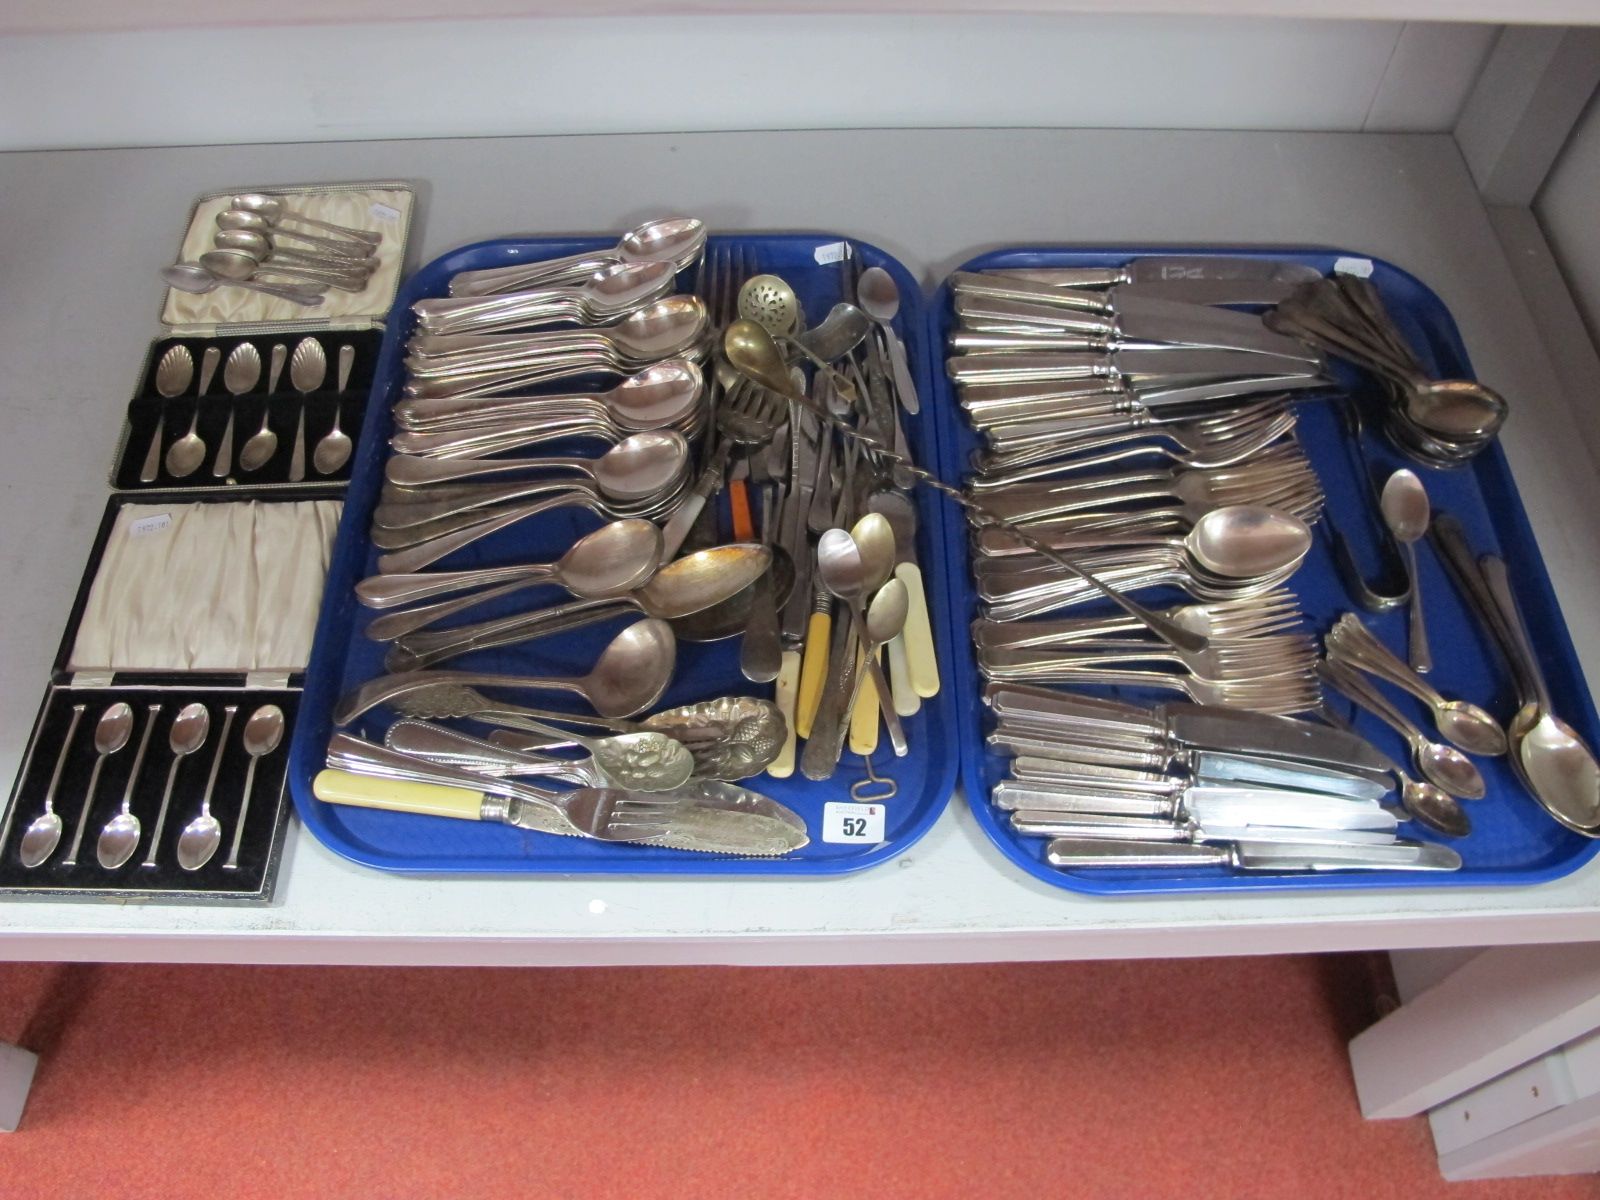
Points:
(78, 312)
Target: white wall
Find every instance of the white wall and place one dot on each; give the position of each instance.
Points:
(1568, 206)
(688, 73)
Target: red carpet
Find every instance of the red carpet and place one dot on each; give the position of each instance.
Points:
(1193, 1080)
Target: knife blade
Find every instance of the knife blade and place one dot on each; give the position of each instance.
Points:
(1171, 367)
(1280, 857)
(1213, 727)
(1168, 268)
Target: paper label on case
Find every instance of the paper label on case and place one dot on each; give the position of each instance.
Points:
(144, 526)
(1359, 267)
(831, 253)
(851, 823)
(382, 212)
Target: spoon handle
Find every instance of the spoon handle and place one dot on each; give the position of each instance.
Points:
(1421, 656)
(152, 456)
(232, 861)
(297, 457)
(1499, 583)
(1346, 679)
(1450, 540)
(216, 759)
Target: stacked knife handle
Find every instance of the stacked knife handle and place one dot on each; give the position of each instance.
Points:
(1114, 784)
(1155, 439)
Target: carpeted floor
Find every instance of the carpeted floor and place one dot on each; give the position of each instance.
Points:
(1199, 1079)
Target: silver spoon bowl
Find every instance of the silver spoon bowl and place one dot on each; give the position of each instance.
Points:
(198, 280)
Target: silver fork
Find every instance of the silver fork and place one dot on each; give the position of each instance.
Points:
(1277, 611)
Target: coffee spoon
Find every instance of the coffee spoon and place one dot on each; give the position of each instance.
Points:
(173, 374)
(259, 448)
(1404, 504)
(333, 448)
(43, 834)
(188, 733)
(186, 454)
(879, 297)
(628, 677)
(262, 733)
(120, 837)
(111, 734)
(200, 837)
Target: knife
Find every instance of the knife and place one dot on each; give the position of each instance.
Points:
(1168, 268)
(1139, 368)
(1136, 319)
(722, 826)
(1203, 727)
(1204, 803)
(1278, 857)
(1099, 826)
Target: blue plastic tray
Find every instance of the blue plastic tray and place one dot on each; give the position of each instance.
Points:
(343, 658)
(1513, 840)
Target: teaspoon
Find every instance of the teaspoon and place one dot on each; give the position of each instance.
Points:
(240, 374)
(173, 374)
(40, 839)
(628, 677)
(201, 836)
(241, 220)
(188, 734)
(333, 449)
(1443, 766)
(198, 280)
(308, 367)
(111, 734)
(1405, 508)
(263, 443)
(186, 454)
(120, 837)
(240, 267)
(273, 210)
(261, 248)
(262, 733)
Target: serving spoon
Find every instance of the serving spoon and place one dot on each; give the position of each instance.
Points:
(644, 762)
(628, 677)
